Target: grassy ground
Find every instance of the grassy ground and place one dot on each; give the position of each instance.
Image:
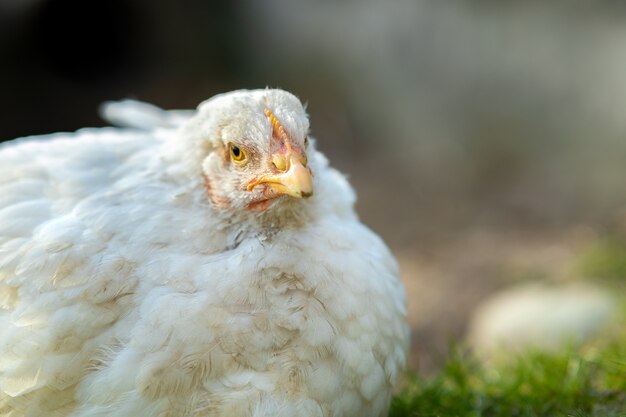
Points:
(587, 382)
(584, 381)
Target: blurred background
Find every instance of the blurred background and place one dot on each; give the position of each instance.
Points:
(486, 139)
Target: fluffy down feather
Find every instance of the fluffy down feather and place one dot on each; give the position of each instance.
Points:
(126, 291)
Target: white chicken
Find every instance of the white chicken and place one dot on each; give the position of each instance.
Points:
(207, 263)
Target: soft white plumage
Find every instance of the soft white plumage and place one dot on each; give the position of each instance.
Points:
(140, 276)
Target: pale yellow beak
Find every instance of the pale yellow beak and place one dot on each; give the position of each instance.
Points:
(296, 181)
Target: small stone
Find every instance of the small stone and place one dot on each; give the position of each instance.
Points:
(540, 317)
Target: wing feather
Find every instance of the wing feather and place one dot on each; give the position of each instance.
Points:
(59, 291)
(140, 115)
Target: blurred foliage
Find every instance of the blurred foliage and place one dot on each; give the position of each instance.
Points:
(605, 259)
(585, 382)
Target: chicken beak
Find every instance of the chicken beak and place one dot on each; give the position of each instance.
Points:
(296, 181)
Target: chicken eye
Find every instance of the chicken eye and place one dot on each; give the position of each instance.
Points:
(237, 154)
(306, 142)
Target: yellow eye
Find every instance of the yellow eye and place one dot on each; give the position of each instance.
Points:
(237, 154)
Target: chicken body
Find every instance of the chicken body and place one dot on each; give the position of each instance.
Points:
(126, 291)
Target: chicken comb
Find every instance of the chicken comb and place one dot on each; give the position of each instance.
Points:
(278, 131)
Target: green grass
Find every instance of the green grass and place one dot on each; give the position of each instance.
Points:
(584, 381)
(587, 382)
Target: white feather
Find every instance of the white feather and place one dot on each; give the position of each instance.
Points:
(143, 116)
(125, 292)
